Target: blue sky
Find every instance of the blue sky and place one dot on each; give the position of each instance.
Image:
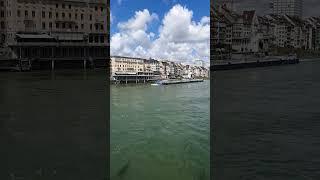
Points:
(122, 10)
(183, 25)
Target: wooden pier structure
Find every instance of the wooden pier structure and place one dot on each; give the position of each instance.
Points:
(43, 51)
(120, 78)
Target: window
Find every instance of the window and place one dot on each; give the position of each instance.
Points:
(43, 25)
(101, 26)
(69, 6)
(90, 39)
(63, 25)
(96, 26)
(2, 4)
(90, 26)
(70, 26)
(69, 15)
(33, 14)
(57, 5)
(101, 9)
(18, 13)
(50, 25)
(76, 16)
(96, 39)
(96, 8)
(76, 27)
(82, 26)
(26, 13)
(57, 15)
(50, 15)
(102, 39)
(90, 16)
(2, 25)
(57, 25)
(2, 14)
(63, 15)
(43, 14)
(63, 6)
(81, 16)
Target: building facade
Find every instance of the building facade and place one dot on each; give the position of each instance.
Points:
(127, 65)
(55, 28)
(227, 3)
(248, 33)
(164, 69)
(139, 69)
(287, 7)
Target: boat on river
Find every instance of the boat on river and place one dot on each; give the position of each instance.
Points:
(175, 81)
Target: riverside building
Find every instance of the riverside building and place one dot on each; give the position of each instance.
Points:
(131, 69)
(53, 29)
(246, 32)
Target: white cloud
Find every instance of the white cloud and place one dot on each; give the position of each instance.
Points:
(138, 22)
(180, 38)
(133, 38)
(205, 20)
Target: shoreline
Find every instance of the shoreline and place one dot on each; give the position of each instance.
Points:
(148, 83)
(244, 64)
(310, 59)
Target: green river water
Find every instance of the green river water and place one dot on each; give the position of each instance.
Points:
(160, 132)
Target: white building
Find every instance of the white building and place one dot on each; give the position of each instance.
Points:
(172, 69)
(126, 65)
(164, 69)
(287, 7)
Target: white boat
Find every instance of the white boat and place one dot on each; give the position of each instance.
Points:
(157, 83)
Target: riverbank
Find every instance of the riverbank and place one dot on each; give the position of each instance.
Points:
(241, 64)
(310, 59)
(52, 64)
(160, 81)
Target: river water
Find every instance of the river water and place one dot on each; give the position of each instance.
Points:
(267, 123)
(160, 132)
(53, 125)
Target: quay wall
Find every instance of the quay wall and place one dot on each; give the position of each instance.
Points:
(51, 64)
(253, 64)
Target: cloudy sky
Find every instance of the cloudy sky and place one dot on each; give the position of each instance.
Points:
(311, 7)
(177, 30)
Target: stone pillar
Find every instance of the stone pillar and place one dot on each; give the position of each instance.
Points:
(52, 64)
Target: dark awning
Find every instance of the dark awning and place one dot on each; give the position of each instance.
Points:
(69, 36)
(34, 36)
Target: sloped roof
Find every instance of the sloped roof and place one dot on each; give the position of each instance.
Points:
(279, 19)
(34, 36)
(297, 21)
